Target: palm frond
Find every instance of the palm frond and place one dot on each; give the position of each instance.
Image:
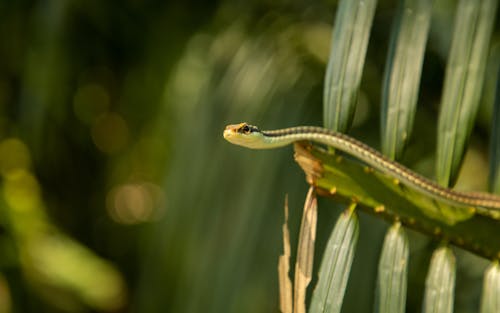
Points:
(403, 74)
(463, 84)
(345, 65)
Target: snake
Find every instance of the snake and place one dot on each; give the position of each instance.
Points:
(249, 136)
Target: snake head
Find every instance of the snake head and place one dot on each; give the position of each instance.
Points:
(243, 134)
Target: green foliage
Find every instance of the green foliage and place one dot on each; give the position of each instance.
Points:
(336, 264)
(440, 282)
(403, 74)
(389, 198)
(345, 65)
(463, 84)
(392, 271)
(490, 301)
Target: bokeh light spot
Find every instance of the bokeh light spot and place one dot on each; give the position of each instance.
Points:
(135, 203)
(14, 155)
(316, 39)
(90, 101)
(58, 261)
(22, 191)
(5, 296)
(110, 133)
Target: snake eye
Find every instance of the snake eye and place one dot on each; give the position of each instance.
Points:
(246, 129)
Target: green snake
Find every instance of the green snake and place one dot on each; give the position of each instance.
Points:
(252, 137)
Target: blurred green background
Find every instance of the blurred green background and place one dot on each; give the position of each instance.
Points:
(118, 193)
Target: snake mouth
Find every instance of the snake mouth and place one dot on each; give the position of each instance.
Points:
(230, 130)
(228, 133)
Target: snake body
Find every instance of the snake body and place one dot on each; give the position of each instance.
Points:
(252, 137)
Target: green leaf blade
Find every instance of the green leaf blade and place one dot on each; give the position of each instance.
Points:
(463, 84)
(440, 282)
(345, 65)
(490, 300)
(336, 264)
(392, 271)
(402, 74)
